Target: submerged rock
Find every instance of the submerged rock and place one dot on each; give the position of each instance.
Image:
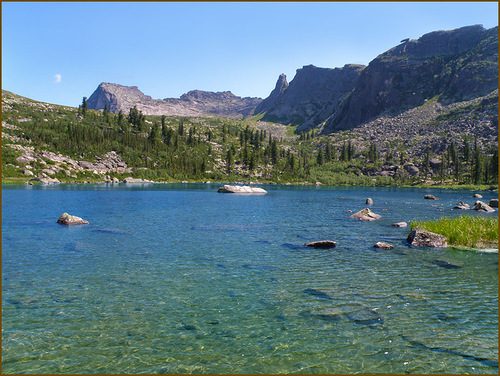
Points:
(462, 206)
(369, 201)
(494, 202)
(241, 189)
(430, 197)
(424, 238)
(366, 215)
(322, 244)
(365, 316)
(445, 264)
(317, 293)
(481, 206)
(400, 224)
(383, 245)
(68, 219)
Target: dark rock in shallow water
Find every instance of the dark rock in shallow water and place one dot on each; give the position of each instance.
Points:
(369, 201)
(445, 264)
(423, 238)
(317, 293)
(321, 244)
(188, 327)
(494, 202)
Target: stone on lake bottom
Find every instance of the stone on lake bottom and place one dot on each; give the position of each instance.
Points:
(68, 219)
(424, 238)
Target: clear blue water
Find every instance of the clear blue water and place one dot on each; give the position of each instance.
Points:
(181, 279)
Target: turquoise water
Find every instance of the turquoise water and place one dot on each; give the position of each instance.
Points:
(181, 279)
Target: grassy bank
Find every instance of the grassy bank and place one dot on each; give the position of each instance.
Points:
(464, 231)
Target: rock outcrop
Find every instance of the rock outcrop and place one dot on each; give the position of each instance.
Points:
(423, 238)
(454, 65)
(68, 219)
(117, 98)
(241, 189)
(313, 95)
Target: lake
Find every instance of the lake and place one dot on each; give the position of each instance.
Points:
(177, 278)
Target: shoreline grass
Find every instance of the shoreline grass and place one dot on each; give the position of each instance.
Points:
(464, 231)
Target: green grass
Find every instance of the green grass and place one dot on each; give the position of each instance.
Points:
(464, 231)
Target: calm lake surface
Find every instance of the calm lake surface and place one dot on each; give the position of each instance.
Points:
(181, 279)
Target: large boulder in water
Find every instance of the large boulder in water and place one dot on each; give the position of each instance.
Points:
(424, 238)
(322, 244)
(366, 215)
(68, 219)
(481, 206)
(241, 189)
(494, 202)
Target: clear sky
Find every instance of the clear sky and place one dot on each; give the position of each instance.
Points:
(60, 52)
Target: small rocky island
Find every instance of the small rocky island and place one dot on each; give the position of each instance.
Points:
(241, 189)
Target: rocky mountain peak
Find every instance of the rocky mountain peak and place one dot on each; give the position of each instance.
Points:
(193, 103)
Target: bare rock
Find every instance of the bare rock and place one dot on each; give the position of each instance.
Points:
(477, 195)
(68, 219)
(241, 189)
(430, 197)
(28, 172)
(131, 180)
(481, 206)
(322, 244)
(366, 215)
(383, 245)
(424, 238)
(369, 201)
(400, 224)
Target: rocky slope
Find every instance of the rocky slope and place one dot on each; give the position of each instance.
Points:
(313, 95)
(453, 66)
(194, 103)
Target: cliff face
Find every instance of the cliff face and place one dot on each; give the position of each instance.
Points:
(312, 96)
(454, 66)
(194, 103)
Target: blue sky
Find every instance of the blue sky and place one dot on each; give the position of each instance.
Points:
(59, 52)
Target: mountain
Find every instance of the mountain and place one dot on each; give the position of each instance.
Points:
(194, 103)
(452, 66)
(313, 95)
